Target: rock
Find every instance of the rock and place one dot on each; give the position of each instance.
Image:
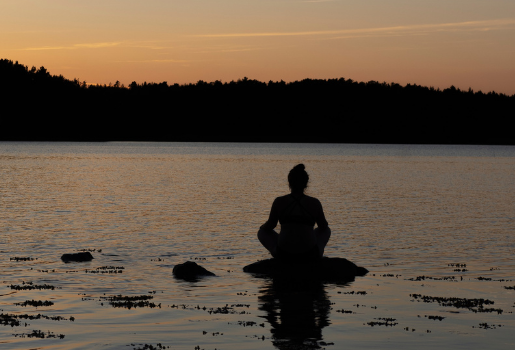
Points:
(190, 271)
(82, 256)
(332, 269)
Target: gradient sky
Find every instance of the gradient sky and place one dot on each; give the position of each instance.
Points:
(465, 43)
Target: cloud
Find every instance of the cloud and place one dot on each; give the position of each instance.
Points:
(96, 45)
(161, 61)
(396, 30)
(74, 47)
(226, 48)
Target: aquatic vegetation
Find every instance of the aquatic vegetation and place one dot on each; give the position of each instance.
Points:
(250, 324)
(241, 305)
(423, 278)
(485, 325)
(383, 321)
(107, 269)
(358, 293)
(499, 311)
(389, 275)
(17, 258)
(158, 346)
(407, 329)
(343, 311)
(35, 303)
(13, 319)
(223, 310)
(474, 305)
(215, 310)
(9, 320)
(439, 318)
(39, 334)
(31, 286)
(260, 337)
(130, 301)
(481, 278)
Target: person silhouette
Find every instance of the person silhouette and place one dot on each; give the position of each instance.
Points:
(297, 213)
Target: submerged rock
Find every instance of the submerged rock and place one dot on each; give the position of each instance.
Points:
(82, 256)
(325, 268)
(190, 270)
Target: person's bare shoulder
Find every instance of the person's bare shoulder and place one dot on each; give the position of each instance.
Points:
(281, 201)
(313, 201)
(314, 205)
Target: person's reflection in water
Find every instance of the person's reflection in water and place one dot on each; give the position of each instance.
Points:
(297, 310)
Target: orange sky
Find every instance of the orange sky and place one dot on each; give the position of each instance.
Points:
(466, 43)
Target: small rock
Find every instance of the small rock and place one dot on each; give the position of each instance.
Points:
(82, 256)
(190, 270)
(325, 268)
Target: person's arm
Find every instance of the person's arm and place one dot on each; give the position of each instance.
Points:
(320, 216)
(272, 219)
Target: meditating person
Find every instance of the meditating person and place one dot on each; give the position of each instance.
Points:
(297, 213)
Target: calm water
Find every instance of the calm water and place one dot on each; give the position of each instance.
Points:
(442, 212)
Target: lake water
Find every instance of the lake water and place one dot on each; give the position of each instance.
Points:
(433, 224)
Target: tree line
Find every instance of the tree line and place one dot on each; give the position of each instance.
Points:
(41, 106)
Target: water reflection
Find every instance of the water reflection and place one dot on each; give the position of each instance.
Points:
(297, 309)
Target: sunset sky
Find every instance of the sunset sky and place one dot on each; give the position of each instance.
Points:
(465, 43)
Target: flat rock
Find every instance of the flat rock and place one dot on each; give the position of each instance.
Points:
(190, 270)
(82, 256)
(325, 269)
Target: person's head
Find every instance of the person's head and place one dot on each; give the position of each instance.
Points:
(298, 178)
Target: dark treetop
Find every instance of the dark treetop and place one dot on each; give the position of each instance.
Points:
(39, 106)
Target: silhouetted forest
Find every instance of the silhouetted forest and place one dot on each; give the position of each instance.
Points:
(40, 106)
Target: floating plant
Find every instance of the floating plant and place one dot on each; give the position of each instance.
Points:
(422, 278)
(30, 286)
(39, 334)
(35, 303)
(439, 318)
(474, 305)
(13, 320)
(343, 311)
(107, 269)
(17, 258)
(158, 346)
(359, 293)
(131, 301)
(383, 321)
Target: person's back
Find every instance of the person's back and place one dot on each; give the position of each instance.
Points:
(297, 224)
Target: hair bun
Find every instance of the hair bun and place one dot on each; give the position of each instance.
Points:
(299, 167)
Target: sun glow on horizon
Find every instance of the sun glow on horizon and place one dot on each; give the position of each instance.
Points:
(465, 43)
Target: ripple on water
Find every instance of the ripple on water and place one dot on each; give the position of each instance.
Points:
(434, 226)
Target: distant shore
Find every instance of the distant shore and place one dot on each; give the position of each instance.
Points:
(52, 108)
